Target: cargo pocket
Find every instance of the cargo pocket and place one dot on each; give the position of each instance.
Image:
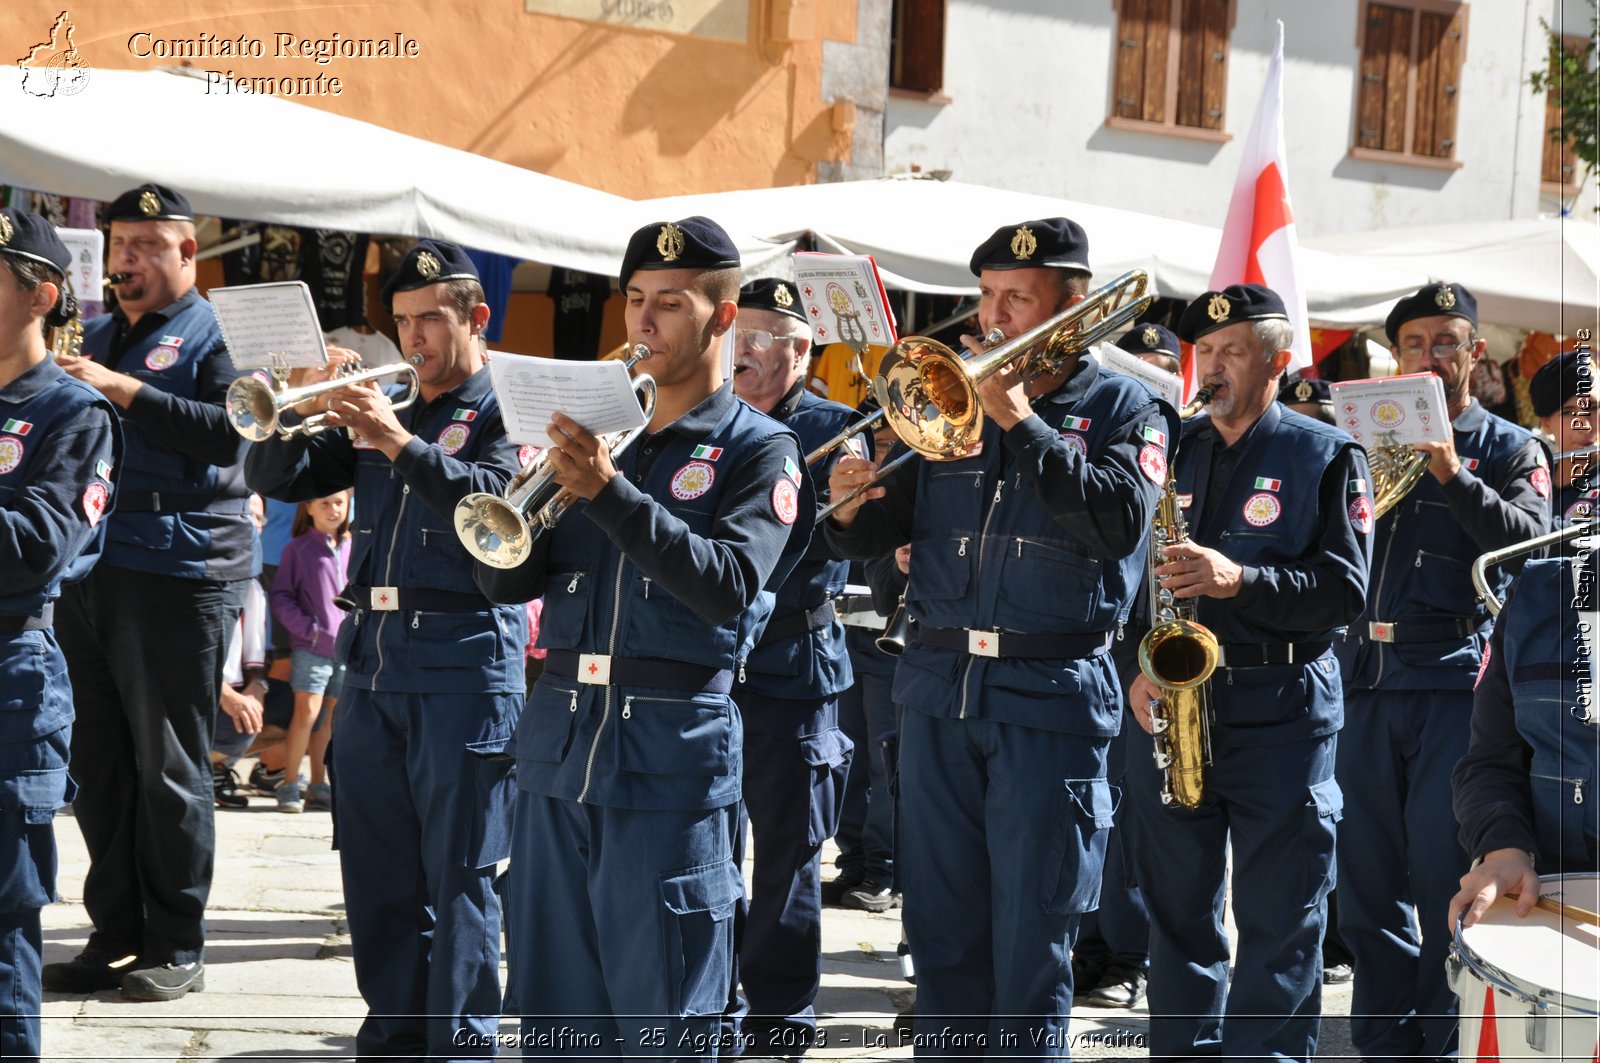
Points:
(829, 754)
(486, 814)
(697, 924)
(1078, 846)
(1324, 809)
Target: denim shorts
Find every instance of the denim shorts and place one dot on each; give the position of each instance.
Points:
(311, 674)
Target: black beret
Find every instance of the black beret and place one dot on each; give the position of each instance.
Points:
(689, 243)
(770, 293)
(1305, 390)
(1558, 380)
(150, 202)
(429, 262)
(1150, 338)
(26, 235)
(1057, 243)
(1233, 304)
(1432, 300)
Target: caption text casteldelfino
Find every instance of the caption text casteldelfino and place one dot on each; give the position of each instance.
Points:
(318, 50)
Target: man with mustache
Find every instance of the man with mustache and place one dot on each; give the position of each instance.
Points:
(1279, 521)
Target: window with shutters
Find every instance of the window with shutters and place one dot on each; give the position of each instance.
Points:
(916, 46)
(1408, 89)
(1171, 59)
(1560, 171)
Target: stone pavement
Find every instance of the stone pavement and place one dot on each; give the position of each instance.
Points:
(280, 984)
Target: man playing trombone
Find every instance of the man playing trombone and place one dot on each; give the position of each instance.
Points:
(433, 685)
(628, 756)
(1027, 553)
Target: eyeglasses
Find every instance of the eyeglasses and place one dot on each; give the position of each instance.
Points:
(1439, 351)
(759, 339)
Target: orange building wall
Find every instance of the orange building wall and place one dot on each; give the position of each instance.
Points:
(634, 112)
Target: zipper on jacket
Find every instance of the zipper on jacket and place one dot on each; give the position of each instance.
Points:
(388, 574)
(605, 713)
(977, 582)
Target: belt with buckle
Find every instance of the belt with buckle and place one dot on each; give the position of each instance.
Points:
(1013, 644)
(10, 625)
(602, 669)
(424, 599)
(1259, 654)
(857, 610)
(178, 502)
(1420, 630)
(792, 624)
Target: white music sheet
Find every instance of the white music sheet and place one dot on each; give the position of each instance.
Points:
(270, 324)
(598, 395)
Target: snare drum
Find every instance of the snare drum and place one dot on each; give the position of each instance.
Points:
(1530, 988)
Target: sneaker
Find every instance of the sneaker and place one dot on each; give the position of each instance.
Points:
(319, 795)
(1338, 974)
(88, 972)
(265, 782)
(225, 784)
(167, 981)
(1120, 987)
(288, 795)
(835, 888)
(868, 898)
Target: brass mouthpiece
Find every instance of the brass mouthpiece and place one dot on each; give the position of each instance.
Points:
(993, 338)
(113, 280)
(1202, 399)
(416, 359)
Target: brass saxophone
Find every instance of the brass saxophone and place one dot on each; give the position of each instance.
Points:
(1178, 655)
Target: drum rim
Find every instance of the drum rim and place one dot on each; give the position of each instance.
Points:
(1498, 979)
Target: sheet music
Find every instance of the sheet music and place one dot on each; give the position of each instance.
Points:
(265, 324)
(88, 250)
(598, 395)
(844, 300)
(1167, 385)
(1390, 411)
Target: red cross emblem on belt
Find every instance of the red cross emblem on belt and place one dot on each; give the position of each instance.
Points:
(983, 644)
(593, 668)
(383, 599)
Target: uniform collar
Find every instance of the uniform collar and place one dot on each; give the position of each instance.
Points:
(1209, 429)
(1471, 418)
(475, 387)
(700, 421)
(166, 313)
(32, 382)
(1075, 386)
(790, 401)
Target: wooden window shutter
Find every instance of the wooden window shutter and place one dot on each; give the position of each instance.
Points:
(918, 45)
(1202, 63)
(1143, 31)
(1438, 84)
(1385, 66)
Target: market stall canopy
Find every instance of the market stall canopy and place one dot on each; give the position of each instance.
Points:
(1535, 274)
(921, 232)
(269, 159)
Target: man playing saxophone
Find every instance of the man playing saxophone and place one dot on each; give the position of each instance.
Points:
(1028, 551)
(1279, 517)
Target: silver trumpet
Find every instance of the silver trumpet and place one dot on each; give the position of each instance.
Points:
(500, 530)
(255, 407)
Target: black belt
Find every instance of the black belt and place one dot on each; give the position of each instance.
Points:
(424, 599)
(177, 502)
(10, 625)
(1258, 654)
(1420, 630)
(1010, 644)
(786, 627)
(599, 669)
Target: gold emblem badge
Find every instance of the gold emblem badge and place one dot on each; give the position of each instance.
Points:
(670, 242)
(1302, 391)
(782, 296)
(149, 204)
(1024, 243)
(5, 230)
(1151, 336)
(1219, 308)
(1445, 298)
(427, 266)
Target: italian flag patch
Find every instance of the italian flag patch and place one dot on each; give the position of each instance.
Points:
(791, 470)
(706, 453)
(102, 470)
(1075, 424)
(1264, 483)
(1155, 435)
(17, 427)
(464, 414)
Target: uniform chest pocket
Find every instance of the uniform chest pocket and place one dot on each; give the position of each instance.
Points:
(544, 732)
(1043, 583)
(683, 734)
(567, 596)
(954, 495)
(943, 568)
(1442, 584)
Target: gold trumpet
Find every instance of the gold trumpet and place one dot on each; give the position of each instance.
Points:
(500, 530)
(255, 408)
(929, 392)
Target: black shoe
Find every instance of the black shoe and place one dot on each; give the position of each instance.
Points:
(88, 972)
(265, 782)
(225, 784)
(835, 888)
(867, 898)
(1119, 987)
(1338, 974)
(167, 981)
